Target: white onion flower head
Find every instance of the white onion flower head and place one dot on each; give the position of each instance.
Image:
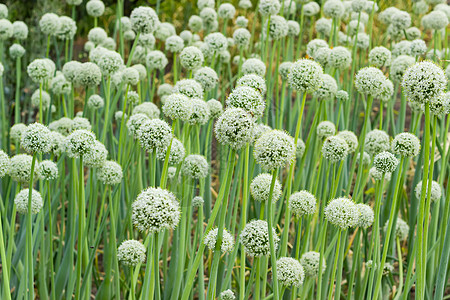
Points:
(187, 36)
(96, 155)
(310, 262)
(248, 99)
(401, 20)
(141, 70)
(227, 294)
(325, 129)
(323, 26)
(97, 35)
(36, 138)
(70, 70)
(269, 7)
(435, 20)
(20, 168)
(333, 8)
(259, 130)
(342, 95)
(16, 51)
(40, 96)
(260, 188)
(62, 125)
(49, 24)
(241, 37)
(401, 48)
(311, 9)
(386, 15)
(255, 238)
(366, 215)
(195, 166)
(176, 155)
(195, 23)
(110, 62)
(197, 201)
(350, 138)
(234, 128)
(254, 81)
(6, 29)
(95, 102)
(300, 149)
(207, 77)
(313, 45)
(164, 89)
(215, 108)
(66, 29)
(245, 4)
(254, 66)
(353, 27)
(368, 81)
(95, 8)
(4, 163)
(340, 57)
(406, 144)
(423, 81)
(418, 47)
(278, 28)
(385, 162)
(81, 123)
(436, 191)
(110, 173)
(217, 42)
(200, 112)
(358, 5)
(3, 11)
(21, 201)
(79, 142)
(210, 240)
(274, 149)
(440, 105)
(154, 133)
(39, 70)
(306, 76)
(365, 160)
(328, 88)
(144, 19)
(377, 175)
(131, 253)
(189, 87)
(135, 121)
(133, 97)
(88, 74)
(226, 11)
(293, 27)
(48, 170)
(174, 43)
(155, 209)
(209, 18)
(156, 60)
(60, 85)
(342, 212)
(387, 91)
(147, 108)
(177, 107)
(335, 149)
(130, 76)
(290, 272)
(401, 229)
(205, 3)
(321, 56)
(399, 66)
(20, 30)
(191, 58)
(302, 203)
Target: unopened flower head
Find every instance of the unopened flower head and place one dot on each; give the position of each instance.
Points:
(290, 272)
(155, 209)
(234, 128)
(131, 253)
(423, 81)
(435, 194)
(260, 188)
(255, 238)
(406, 144)
(311, 263)
(210, 240)
(195, 166)
(306, 76)
(21, 201)
(376, 141)
(274, 149)
(342, 212)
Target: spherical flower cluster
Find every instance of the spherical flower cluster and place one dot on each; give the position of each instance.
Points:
(48, 170)
(335, 149)
(49, 23)
(435, 191)
(164, 89)
(6, 29)
(234, 128)
(311, 263)
(110, 173)
(197, 201)
(191, 58)
(189, 87)
(21, 201)
(440, 105)
(377, 175)
(154, 133)
(435, 20)
(60, 85)
(66, 29)
(387, 90)
(40, 96)
(290, 271)
(147, 108)
(376, 141)
(254, 66)
(333, 8)
(205, 3)
(350, 138)
(217, 42)
(254, 81)
(227, 294)
(20, 168)
(210, 240)
(131, 253)
(311, 9)
(226, 11)
(156, 60)
(130, 76)
(405, 144)
(328, 89)
(16, 51)
(62, 126)
(399, 66)
(401, 229)
(269, 7)
(97, 35)
(274, 149)
(385, 162)
(340, 57)
(110, 62)
(302, 203)
(195, 23)
(4, 163)
(325, 129)
(207, 77)
(95, 102)
(278, 27)
(200, 112)
(306, 76)
(255, 238)
(20, 30)
(401, 20)
(144, 19)
(174, 43)
(423, 81)
(39, 70)
(36, 138)
(366, 215)
(365, 160)
(96, 156)
(284, 69)
(418, 47)
(3, 11)
(241, 37)
(80, 123)
(314, 45)
(79, 142)
(342, 212)
(354, 27)
(95, 8)
(369, 80)
(342, 95)
(155, 209)
(248, 99)
(176, 155)
(260, 188)
(88, 74)
(135, 121)
(195, 166)
(301, 147)
(177, 106)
